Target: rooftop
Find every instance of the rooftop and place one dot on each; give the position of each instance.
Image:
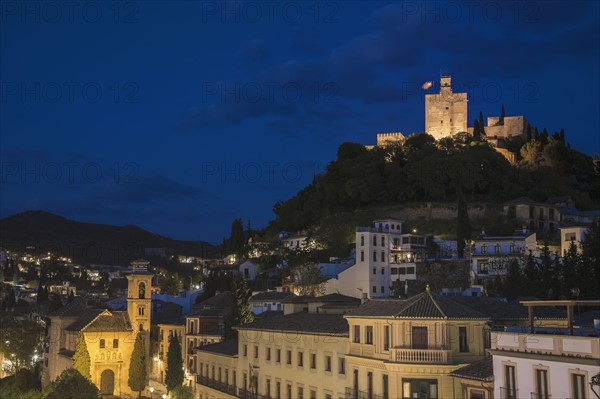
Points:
(302, 323)
(482, 370)
(270, 296)
(229, 347)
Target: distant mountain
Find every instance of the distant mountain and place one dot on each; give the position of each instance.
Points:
(89, 242)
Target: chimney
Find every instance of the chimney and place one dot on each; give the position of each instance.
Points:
(364, 298)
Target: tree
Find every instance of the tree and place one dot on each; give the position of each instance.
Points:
(174, 375)
(137, 366)
(71, 384)
(531, 154)
(12, 299)
(42, 294)
(476, 130)
(236, 240)
(463, 228)
(71, 296)
(241, 311)
(481, 124)
(181, 392)
(81, 357)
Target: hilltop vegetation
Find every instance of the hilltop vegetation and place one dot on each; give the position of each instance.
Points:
(422, 169)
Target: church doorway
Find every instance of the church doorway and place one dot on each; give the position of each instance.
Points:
(107, 382)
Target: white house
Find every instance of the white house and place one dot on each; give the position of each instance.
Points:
(543, 366)
(575, 234)
(267, 301)
(383, 255)
(491, 256)
(248, 269)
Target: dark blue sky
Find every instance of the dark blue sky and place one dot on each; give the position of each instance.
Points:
(181, 116)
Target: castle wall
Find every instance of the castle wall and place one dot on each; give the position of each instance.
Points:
(513, 126)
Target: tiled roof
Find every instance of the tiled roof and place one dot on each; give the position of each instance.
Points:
(110, 321)
(482, 370)
(86, 318)
(219, 301)
(422, 306)
(302, 322)
(229, 347)
(299, 299)
(75, 308)
(270, 296)
(337, 298)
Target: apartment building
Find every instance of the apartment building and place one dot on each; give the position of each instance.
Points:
(383, 255)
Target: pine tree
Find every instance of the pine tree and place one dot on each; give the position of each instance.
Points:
(81, 358)
(502, 115)
(463, 228)
(174, 375)
(137, 366)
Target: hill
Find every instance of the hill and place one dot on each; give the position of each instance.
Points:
(88, 242)
(422, 169)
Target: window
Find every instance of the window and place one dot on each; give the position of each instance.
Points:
(510, 387)
(191, 331)
(401, 271)
(256, 351)
(362, 256)
(383, 270)
(374, 270)
(278, 355)
(362, 241)
(497, 249)
(385, 387)
(288, 358)
(512, 248)
(369, 384)
(341, 365)
(313, 360)
(374, 289)
(410, 270)
(419, 338)
(483, 266)
(142, 291)
(278, 390)
(382, 289)
(382, 241)
(313, 394)
(268, 388)
(245, 352)
(462, 339)
(374, 256)
(394, 271)
(383, 256)
(375, 241)
(357, 334)
(541, 384)
(579, 386)
(386, 338)
(115, 343)
(289, 391)
(300, 359)
(140, 310)
(268, 355)
(102, 344)
(327, 363)
(570, 237)
(484, 249)
(369, 335)
(417, 388)
(300, 393)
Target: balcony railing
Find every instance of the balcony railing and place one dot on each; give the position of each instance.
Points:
(351, 393)
(535, 395)
(218, 385)
(508, 393)
(426, 356)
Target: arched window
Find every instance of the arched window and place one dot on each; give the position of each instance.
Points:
(142, 290)
(141, 327)
(140, 311)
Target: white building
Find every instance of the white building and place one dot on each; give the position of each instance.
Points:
(544, 366)
(575, 234)
(383, 255)
(248, 269)
(267, 301)
(491, 256)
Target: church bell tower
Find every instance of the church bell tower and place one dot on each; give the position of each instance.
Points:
(139, 295)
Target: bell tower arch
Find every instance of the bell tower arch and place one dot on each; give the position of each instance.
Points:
(139, 286)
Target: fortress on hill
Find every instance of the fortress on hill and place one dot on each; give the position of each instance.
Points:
(446, 114)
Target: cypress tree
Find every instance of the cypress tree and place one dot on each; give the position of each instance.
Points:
(137, 366)
(502, 115)
(81, 358)
(481, 124)
(174, 376)
(476, 130)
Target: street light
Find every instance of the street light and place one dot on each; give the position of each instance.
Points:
(152, 392)
(164, 396)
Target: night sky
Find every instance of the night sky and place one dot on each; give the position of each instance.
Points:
(181, 116)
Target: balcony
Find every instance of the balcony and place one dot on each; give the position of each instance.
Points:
(217, 385)
(421, 356)
(508, 393)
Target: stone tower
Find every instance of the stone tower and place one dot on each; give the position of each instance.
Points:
(446, 112)
(139, 296)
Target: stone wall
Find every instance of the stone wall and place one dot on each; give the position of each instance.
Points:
(433, 210)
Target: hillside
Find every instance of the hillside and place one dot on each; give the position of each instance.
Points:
(88, 242)
(423, 170)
